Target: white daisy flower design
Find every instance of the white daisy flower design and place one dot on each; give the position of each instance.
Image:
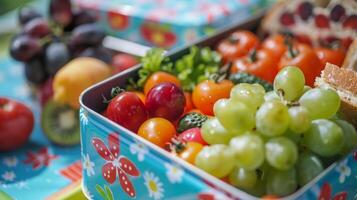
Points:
(154, 186)
(140, 149)
(22, 184)
(88, 165)
(83, 115)
(344, 170)
(174, 173)
(10, 161)
(8, 176)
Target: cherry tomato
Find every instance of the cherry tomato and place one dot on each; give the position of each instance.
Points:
(334, 56)
(127, 110)
(159, 77)
(304, 57)
(165, 100)
(158, 131)
(190, 151)
(275, 44)
(270, 197)
(261, 63)
(140, 95)
(208, 92)
(237, 45)
(189, 105)
(123, 62)
(16, 124)
(192, 135)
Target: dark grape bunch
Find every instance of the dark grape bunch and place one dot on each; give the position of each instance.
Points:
(45, 45)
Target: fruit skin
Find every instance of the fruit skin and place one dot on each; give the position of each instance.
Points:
(260, 63)
(306, 59)
(237, 45)
(191, 120)
(24, 48)
(275, 44)
(37, 28)
(282, 183)
(35, 72)
(127, 110)
(86, 35)
(334, 56)
(289, 83)
(214, 133)
(243, 77)
(281, 153)
(190, 151)
(192, 135)
(61, 12)
(122, 61)
(46, 92)
(189, 104)
(56, 56)
(208, 92)
(17, 122)
(159, 77)
(71, 79)
(308, 167)
(165, 100)
(157, 130)
(100, 53)
(26, 14)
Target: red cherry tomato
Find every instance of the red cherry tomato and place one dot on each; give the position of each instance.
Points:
(123, 62)
(334, 56)
(237, 45)
(208, 92)
(16, 124)
(165, 100)
(192, 135)
(275, 44)
(305, 58)
(261, 63)
(127, 110)
(158, 131)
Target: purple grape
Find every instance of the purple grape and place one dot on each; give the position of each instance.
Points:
(86, 35)
(97, 52)
(27, 14)
(38, 28)
(61, 12)
(56, 56)
(305, 10)
(337, 13)
(84, 17)
(24, 48)
(35, 72)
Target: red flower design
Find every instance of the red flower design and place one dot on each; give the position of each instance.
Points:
(39, 159)
(116, 163)
(325, 193)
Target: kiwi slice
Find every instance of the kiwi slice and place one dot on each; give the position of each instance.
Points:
(60, 123)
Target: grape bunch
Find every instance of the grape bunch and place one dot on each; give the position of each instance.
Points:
(46, 45)
(273, 143)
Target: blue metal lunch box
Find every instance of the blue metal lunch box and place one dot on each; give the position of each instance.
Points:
(118, 164)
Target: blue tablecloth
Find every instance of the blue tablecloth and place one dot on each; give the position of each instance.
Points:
(40, 168)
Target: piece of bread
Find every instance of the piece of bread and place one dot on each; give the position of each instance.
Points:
(344, 82)
(350, 61)
(313, 22)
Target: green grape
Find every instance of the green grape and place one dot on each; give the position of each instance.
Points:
(281, 153)
(248, 150)
(308, 167)
(271, 95)
(321, 103)
(242, 178)
(299, 119)
(216, 160)
(272, 118)
(290, 81)
(250, 94)
(234, 116)
(324, 138)
(306, 88)
(350, 136)
(295, 137)
(214, 133)
(259, 189)
(281, 183)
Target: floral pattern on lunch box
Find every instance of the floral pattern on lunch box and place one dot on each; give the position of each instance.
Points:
(118, 165)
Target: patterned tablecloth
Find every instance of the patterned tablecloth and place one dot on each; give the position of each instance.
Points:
(38, 169)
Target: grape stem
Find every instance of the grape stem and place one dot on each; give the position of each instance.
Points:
(176, 146)
(286, 102)
(222, 74)
(113, 93)
(253, 56)
(288, 42)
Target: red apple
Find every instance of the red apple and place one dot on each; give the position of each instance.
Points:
(123, 61)
(16, 124)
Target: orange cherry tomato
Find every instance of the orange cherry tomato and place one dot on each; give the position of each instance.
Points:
(275, 44)
(189, 105)
(237, 45)
(158, 131)
(206, 93)
(304, 57)
(190, 151)
(334, 56)
(261, 63)
(140, 95)
(159, 77)
(270, 197)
